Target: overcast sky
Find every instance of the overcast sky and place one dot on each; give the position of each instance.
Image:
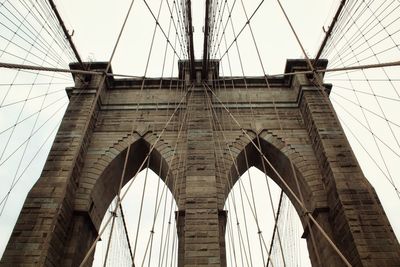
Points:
(96, 24)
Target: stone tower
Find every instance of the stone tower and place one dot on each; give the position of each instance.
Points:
(290, 120)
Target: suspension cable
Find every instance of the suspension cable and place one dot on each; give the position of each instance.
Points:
(307, 213)
(66, 33)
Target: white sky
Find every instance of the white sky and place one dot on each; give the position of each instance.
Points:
(96, 24)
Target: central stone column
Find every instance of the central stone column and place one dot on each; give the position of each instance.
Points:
(200, 231)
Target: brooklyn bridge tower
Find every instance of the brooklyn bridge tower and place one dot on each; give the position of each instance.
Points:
(200, 132)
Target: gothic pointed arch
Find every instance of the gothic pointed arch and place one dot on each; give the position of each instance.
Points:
(106, 171)
(279, 156)
(101, 178)
(276, 162)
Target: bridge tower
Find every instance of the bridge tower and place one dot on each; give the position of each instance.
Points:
(290, 123)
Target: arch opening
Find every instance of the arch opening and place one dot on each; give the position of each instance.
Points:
(145, 229)
(149, 201)
(106, 187)
(250, 229)
(277, 156)
(291, 174)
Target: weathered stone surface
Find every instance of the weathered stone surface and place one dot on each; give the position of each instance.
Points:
(291, 122)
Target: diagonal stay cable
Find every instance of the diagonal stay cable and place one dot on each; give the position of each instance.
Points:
(366, 109)
(25, 33)
(5, 159)
(370, 47)
(114, 216)
(31, 131)
(126, 231)
(275, 230)
(370, 156)
(367, 28)
(242, 29)
(31, 115)
(215, 117)
(30, 162)
(306, 212)
(168, 177)
(272, 206)
(141, 207)
(91, 111)
(318, 83)
(252, 112)
(158, 200)
(39, 13)
(119, 199)
(373, 91)
(369, 130)
(162, 30)
(32, 98)
(137, 107)
(363, 92)
(240, 184)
